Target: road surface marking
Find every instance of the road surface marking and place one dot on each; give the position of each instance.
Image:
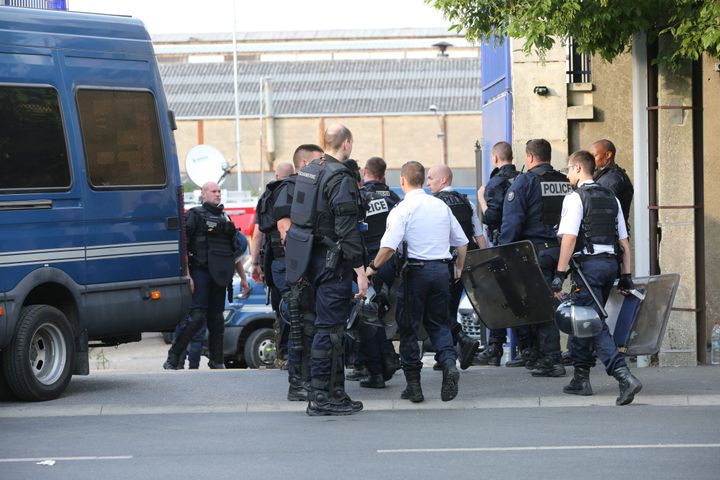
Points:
(541, 448)
(63, 459)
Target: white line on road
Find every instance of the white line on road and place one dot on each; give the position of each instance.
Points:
(539, 448)
(63, 459)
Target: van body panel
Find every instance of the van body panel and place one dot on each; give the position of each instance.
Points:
(108, 244)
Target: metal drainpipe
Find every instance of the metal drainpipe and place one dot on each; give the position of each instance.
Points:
(653, 146)
(698, 187)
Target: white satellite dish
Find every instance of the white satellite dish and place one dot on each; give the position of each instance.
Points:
(205, 163)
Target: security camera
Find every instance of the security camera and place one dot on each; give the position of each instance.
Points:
(433, 108)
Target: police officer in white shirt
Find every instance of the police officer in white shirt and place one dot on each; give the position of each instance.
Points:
(430, 229)
(592, 230)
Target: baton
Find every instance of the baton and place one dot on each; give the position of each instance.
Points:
(577, 268)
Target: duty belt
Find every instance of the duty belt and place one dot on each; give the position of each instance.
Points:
(413, 262)
(546, 245)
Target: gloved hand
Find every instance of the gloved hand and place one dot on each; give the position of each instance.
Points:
(557, 282)
(625, 283)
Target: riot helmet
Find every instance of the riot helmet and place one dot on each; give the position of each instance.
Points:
(577, 320)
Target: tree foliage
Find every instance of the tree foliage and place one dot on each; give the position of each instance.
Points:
(603, 27)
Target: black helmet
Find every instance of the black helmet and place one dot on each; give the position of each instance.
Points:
(577, 320)
(366, 314)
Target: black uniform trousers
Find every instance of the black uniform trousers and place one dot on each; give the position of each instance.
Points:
(547, 334)
(423, 297)
(600, 272)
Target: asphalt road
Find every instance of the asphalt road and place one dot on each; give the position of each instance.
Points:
(643, 442)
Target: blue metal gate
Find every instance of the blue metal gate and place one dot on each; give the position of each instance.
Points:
(496, 99)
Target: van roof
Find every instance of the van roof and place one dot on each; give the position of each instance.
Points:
(35, 22)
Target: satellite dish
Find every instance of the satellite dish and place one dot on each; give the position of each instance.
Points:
(205, 163)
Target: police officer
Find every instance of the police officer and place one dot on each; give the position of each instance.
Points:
(324, 246)
(439, 180)
(592, 227)
(609, 175)
(490, 199)
(270, 266)
(212, 255)
(531, 211)
(277, 214)
(377, 353)
(429, 229)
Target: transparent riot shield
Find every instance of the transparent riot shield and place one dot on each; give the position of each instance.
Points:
(506, 286)
(646, 324)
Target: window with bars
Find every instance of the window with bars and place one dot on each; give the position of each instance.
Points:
(578, 65)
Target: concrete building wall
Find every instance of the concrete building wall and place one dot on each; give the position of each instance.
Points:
(536, 116)
(395, 138)
(676, 250)
(711, 172)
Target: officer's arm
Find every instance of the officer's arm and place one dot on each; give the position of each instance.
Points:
(460, 260)
(492, 211)
(513, 216)
(343, 194)
(383, 255)
(258, 238)
(626, 256)
(567, 247)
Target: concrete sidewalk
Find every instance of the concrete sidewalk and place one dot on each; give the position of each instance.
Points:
(134, 383)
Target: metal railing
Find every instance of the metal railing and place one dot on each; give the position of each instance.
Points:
(578, 65)
(39, 4)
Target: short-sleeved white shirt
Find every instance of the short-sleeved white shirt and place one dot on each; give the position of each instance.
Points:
(572, 214)
(427, 224)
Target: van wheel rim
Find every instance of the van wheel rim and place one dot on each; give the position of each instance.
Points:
(266, 352)
(48, 353)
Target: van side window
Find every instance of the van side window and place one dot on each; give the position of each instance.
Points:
(33, 152)
(121, 137)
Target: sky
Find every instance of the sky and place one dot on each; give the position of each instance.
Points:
(204, 16)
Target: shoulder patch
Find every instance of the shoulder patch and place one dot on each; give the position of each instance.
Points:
(511, 196)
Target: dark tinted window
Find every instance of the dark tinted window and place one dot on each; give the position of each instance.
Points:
(121, 137)
(33, 154)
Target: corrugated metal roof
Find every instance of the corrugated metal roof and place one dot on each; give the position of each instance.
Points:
(341, 87)
(282, 36)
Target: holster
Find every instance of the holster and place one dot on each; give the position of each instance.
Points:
(298, 250)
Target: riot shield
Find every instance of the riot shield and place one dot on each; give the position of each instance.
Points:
(506, 286)
(646, 324)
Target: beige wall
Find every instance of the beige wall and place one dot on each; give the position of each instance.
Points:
(612, 101)
(396, 138)
(536, 116)
(711, 172)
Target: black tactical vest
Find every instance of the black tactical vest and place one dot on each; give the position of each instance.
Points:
(211, 246)
(266, 217)
(599, 223)
(309, 208)
(554, 186)
(508, 175)
(378, 200)
(463, 212)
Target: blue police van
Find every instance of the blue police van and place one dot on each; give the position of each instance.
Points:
(91, 237)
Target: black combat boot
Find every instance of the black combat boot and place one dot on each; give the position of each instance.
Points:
(580, 383)
(390, 365)
(413, 390)
(373, 381)
(357, 374)
(320, 404)
(171, 363)
(215, 351)
(296, 389)
(490, 356)
(451, 378)
(629, 385)
(549, 367)
(468, 348)
(526, 355)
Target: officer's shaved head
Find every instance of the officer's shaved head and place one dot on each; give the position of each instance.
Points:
(335, 136)
(305, 154)
(439, 177)
(284, 170)
(413, 173)
(604, 153)
(503, 151)
(606, 145)
(210, 193)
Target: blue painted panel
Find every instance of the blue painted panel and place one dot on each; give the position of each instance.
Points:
(496, 99)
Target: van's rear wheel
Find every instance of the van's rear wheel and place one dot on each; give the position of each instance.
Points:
(260, 348)
(38, 362)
